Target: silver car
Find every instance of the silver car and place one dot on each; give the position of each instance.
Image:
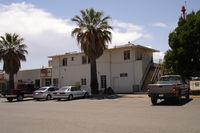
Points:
(44, 93)
(69, 92)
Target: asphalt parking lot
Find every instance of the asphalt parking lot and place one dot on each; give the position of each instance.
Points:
(96, 115)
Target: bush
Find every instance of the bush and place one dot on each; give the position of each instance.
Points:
(109, 91)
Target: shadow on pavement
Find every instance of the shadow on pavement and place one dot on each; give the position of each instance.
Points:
(173, 103)
(102, 97)
(15, 100)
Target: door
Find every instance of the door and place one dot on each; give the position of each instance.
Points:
(115, 84)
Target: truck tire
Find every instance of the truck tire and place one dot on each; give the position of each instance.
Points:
(154, 101)
(179, 100)
(10, 99)
(20, 98)
(187, 95)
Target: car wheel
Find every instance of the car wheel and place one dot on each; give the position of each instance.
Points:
(86, 95)
(48, 97)
(154, 101)
(20, 98)
(70, 97)
(58, 99)
(37, 99)
(10, 99)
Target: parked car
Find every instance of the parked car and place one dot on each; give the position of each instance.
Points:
(23, 90)
(44, 93)
(168, 87)
(69, 92)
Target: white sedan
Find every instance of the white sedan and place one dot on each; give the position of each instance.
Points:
(69, 92)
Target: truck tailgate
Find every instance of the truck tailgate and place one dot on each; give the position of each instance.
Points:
(161, 88)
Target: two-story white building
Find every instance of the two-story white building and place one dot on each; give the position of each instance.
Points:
(122, 68)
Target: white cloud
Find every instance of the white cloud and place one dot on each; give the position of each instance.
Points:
(125, 32)
(48, 35)
(158, 56)
(159, 24)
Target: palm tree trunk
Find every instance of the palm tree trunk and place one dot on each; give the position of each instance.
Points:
(93, 74)
(11, 81)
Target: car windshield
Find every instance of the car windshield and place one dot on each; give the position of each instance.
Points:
(170, 78)
(64, 88)
(42, 88)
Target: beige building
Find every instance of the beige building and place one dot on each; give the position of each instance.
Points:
(122, 68)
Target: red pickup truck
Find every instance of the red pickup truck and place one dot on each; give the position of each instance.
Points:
(22, 91)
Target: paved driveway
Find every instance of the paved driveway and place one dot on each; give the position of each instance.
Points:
(120, 115)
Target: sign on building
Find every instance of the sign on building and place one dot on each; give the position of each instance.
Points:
(195, 85)
(46, 72)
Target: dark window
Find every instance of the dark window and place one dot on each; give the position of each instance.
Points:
(72, 58)
(55, 82)
(19, 80)
(127, 55)
(123, 75)
(73, 89)
(83, 82)
(88, 60)
(103, 81)
(37, 83)
(51, 89)
(64, 63)
(47, 82)
(84, 60)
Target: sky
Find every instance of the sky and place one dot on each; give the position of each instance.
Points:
(46, 25)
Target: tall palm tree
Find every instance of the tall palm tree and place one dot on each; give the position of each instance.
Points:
(12, 51)
(93, 34)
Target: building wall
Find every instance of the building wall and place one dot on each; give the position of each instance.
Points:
(122, 75)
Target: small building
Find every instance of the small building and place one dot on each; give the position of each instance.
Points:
(40, 77)
(122, 68)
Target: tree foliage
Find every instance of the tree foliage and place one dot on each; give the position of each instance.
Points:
(184, 56)
(12, 51)
(93, 34)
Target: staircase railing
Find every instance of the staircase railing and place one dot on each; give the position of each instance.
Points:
(144, 76)
(156, 73)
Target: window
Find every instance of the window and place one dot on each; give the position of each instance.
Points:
(37, 83)
(72, 59)
(55, 82)
(47, 82)
(85, 60)
(51, 89)
(103, 81)
(64, 63)
(123, 75)
(83, 81)
(127, 55)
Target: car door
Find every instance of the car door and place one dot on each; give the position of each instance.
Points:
(80, 93)
(74, 91)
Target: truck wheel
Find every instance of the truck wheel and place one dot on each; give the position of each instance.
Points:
(179, 100)
(20, 98)
(154, 101)
(10, 99)
(187, 95)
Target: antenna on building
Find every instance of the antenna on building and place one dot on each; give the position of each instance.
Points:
(183, 10)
